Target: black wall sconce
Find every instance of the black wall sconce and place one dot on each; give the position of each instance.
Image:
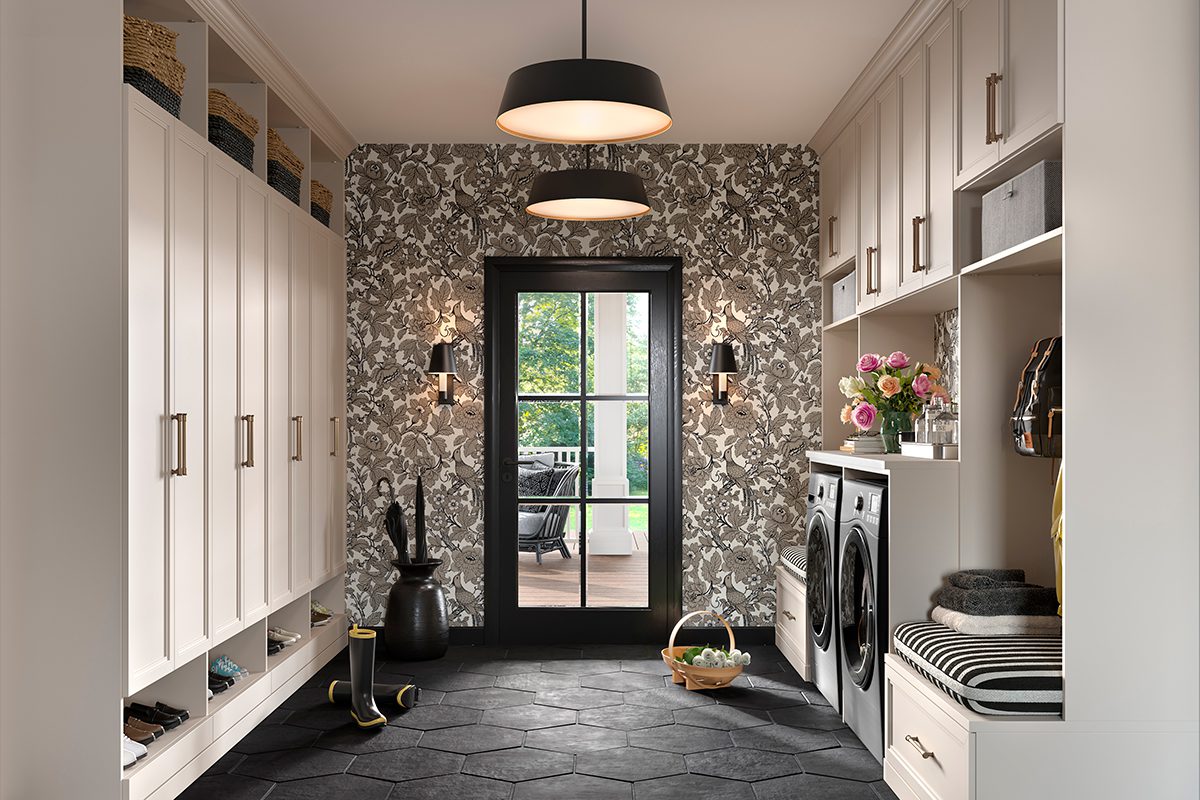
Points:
(722, 366)
(441, 364)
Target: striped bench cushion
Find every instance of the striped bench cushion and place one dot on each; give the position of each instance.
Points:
(987, 674)
(796, 560)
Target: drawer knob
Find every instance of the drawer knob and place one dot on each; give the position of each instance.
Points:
(915, 742)
(789, 615)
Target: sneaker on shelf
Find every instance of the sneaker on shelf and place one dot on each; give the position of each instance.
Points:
(138, 750)
(238, 671)
(282, 636)
(274, 647)
(221, 668)
(127, 758)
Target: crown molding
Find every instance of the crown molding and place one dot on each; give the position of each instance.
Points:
(240, 32)
(907, 32)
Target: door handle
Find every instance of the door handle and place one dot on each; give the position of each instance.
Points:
(337, 434)
(180, 444)
(789, 615)
(299, 420)
(871, 251)
(916, 236)
(249, 420)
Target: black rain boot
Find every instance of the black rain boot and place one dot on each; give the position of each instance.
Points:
(362, 675)
(403, 695)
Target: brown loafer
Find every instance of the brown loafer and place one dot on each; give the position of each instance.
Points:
(150, 728)
(138, 735)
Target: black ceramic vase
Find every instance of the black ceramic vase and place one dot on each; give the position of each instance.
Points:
(417, 624)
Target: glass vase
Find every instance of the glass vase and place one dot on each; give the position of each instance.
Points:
(894, 423)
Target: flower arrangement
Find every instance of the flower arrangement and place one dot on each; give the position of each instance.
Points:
(891, 384)
(718, 658)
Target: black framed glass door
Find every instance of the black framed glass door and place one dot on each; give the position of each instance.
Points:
(583, 449)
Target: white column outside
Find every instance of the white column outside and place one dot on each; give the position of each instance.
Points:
(610, 523)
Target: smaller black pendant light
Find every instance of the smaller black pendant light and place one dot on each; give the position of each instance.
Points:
(721, 367)
(588, 194)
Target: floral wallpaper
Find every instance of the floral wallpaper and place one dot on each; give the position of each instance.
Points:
(946, 348)
(420, 220)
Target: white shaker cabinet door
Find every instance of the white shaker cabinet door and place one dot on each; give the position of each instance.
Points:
(1030, 100)
(147, 247)
(913, 160)
(337, 316)
(977, 34)
(301, 411)
(847, 195)
(938, 230)
(319, 392)
(830, 210)
(192, 627)
(253, 390)
(277, 444)
(866, 126)
(889, 258)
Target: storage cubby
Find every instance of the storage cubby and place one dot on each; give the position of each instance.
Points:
(185, 688)
(332, 594)
(331, 171)
(839, 348)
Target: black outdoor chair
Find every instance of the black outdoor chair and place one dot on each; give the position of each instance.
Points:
(540, 529)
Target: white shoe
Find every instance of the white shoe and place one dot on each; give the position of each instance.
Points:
(138, 750)
(210, 694)
(127, 758)
(282, 636)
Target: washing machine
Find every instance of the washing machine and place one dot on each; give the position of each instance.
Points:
(862, 609)
(824, 503)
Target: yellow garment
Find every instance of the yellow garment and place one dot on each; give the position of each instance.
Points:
(1056, 536)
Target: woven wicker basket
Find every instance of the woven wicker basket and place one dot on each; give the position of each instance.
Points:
(694, 678)
(321, 203)
(231, 129)
(151, 47)
(277, 150)
(221, 105)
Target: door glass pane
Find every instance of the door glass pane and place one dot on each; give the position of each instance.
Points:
(548, 342)
(618, 337)
(551, 530)
(618, 457)
(547, 435)
(618, 556)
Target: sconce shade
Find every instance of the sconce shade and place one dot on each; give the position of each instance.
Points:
(723, 361)
(441, 360)
(588, 195)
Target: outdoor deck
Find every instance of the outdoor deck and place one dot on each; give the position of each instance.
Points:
(612, 580)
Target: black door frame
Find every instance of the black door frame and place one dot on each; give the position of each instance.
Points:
(583, 274)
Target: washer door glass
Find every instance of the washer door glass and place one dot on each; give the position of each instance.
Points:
(856, 609)
(819, 589)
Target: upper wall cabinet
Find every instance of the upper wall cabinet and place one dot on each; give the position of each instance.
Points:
(1008, 79)
(839, 201)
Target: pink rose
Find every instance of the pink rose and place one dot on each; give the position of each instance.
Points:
(898, 360)
(869, 362)
(863, 416)
(922, 385)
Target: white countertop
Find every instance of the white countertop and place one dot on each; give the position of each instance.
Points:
(882, 463)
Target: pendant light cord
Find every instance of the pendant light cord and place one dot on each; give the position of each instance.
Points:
(584, 31)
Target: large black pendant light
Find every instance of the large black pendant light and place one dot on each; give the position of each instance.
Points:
(581, 100)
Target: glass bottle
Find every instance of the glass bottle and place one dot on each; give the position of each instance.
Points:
(943, 426)
(925, 422)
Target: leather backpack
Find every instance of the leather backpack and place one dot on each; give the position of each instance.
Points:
(1038, 410)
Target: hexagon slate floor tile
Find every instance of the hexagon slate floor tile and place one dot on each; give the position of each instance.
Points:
(857, 765)
(500, 666)
(538, 681)
(487, 698)
(406, 765)
(581, 666)
(725, 718)
(678, 786)
(626, 717)
(784, 739)
(455, 681)
(227, 787)
(630, 764)
(680, 739)
(671, 697)
(743, 764)
(765, 699)
(622, 681)
(268, 738)
(822, 718)
(353, 739)
(519, 764)
(473, 739)
(455, 786)
(530, 717)
(290, 765)
(429, 718)
(578, 699)
(816, 787)
(649, 666)
(576, 739)
(333, 787)
(574, 787)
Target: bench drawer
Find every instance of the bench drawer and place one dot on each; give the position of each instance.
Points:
(791, 612)
(915, 728)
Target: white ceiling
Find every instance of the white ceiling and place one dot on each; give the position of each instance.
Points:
(434, 70)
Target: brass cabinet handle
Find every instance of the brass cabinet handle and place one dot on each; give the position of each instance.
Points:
(180, 444)
(832, 251)
(337, 434)
(915, 742)
(916, 222)
(871, 251)
(299, 420)
(249, 420)
(789, 615)
(992, 134)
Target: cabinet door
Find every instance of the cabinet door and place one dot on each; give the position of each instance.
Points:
(253, 418)
(147, 247)
(1029, 97)
(278, 426)
(223, 422)
(847, 226)
(977, 31)
(301, 415)
(888, 272)
(337, 316)
(830, 216)
(866, 126)
(189, 262)
(913, 162)
(319, 390)
(938, 229)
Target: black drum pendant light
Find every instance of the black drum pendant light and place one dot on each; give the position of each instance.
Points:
(582, 100)
(590, 195)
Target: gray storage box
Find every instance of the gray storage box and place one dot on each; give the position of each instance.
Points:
(1022, 208)
(842, 304)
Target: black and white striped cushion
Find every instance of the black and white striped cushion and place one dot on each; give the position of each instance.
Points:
(795, 559)
(987, 674)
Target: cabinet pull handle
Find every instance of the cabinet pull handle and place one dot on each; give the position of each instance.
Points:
(832, 252)
(337, 435)
(789, 615)
(299, 420)
(917, 222)
(871, 251)
(915, 742)
(180, 444)
(993, 135)
(249, 420)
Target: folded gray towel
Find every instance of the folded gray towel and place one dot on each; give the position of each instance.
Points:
(1024, 599)
(986, 578)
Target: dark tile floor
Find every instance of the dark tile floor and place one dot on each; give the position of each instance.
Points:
(525, 723)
